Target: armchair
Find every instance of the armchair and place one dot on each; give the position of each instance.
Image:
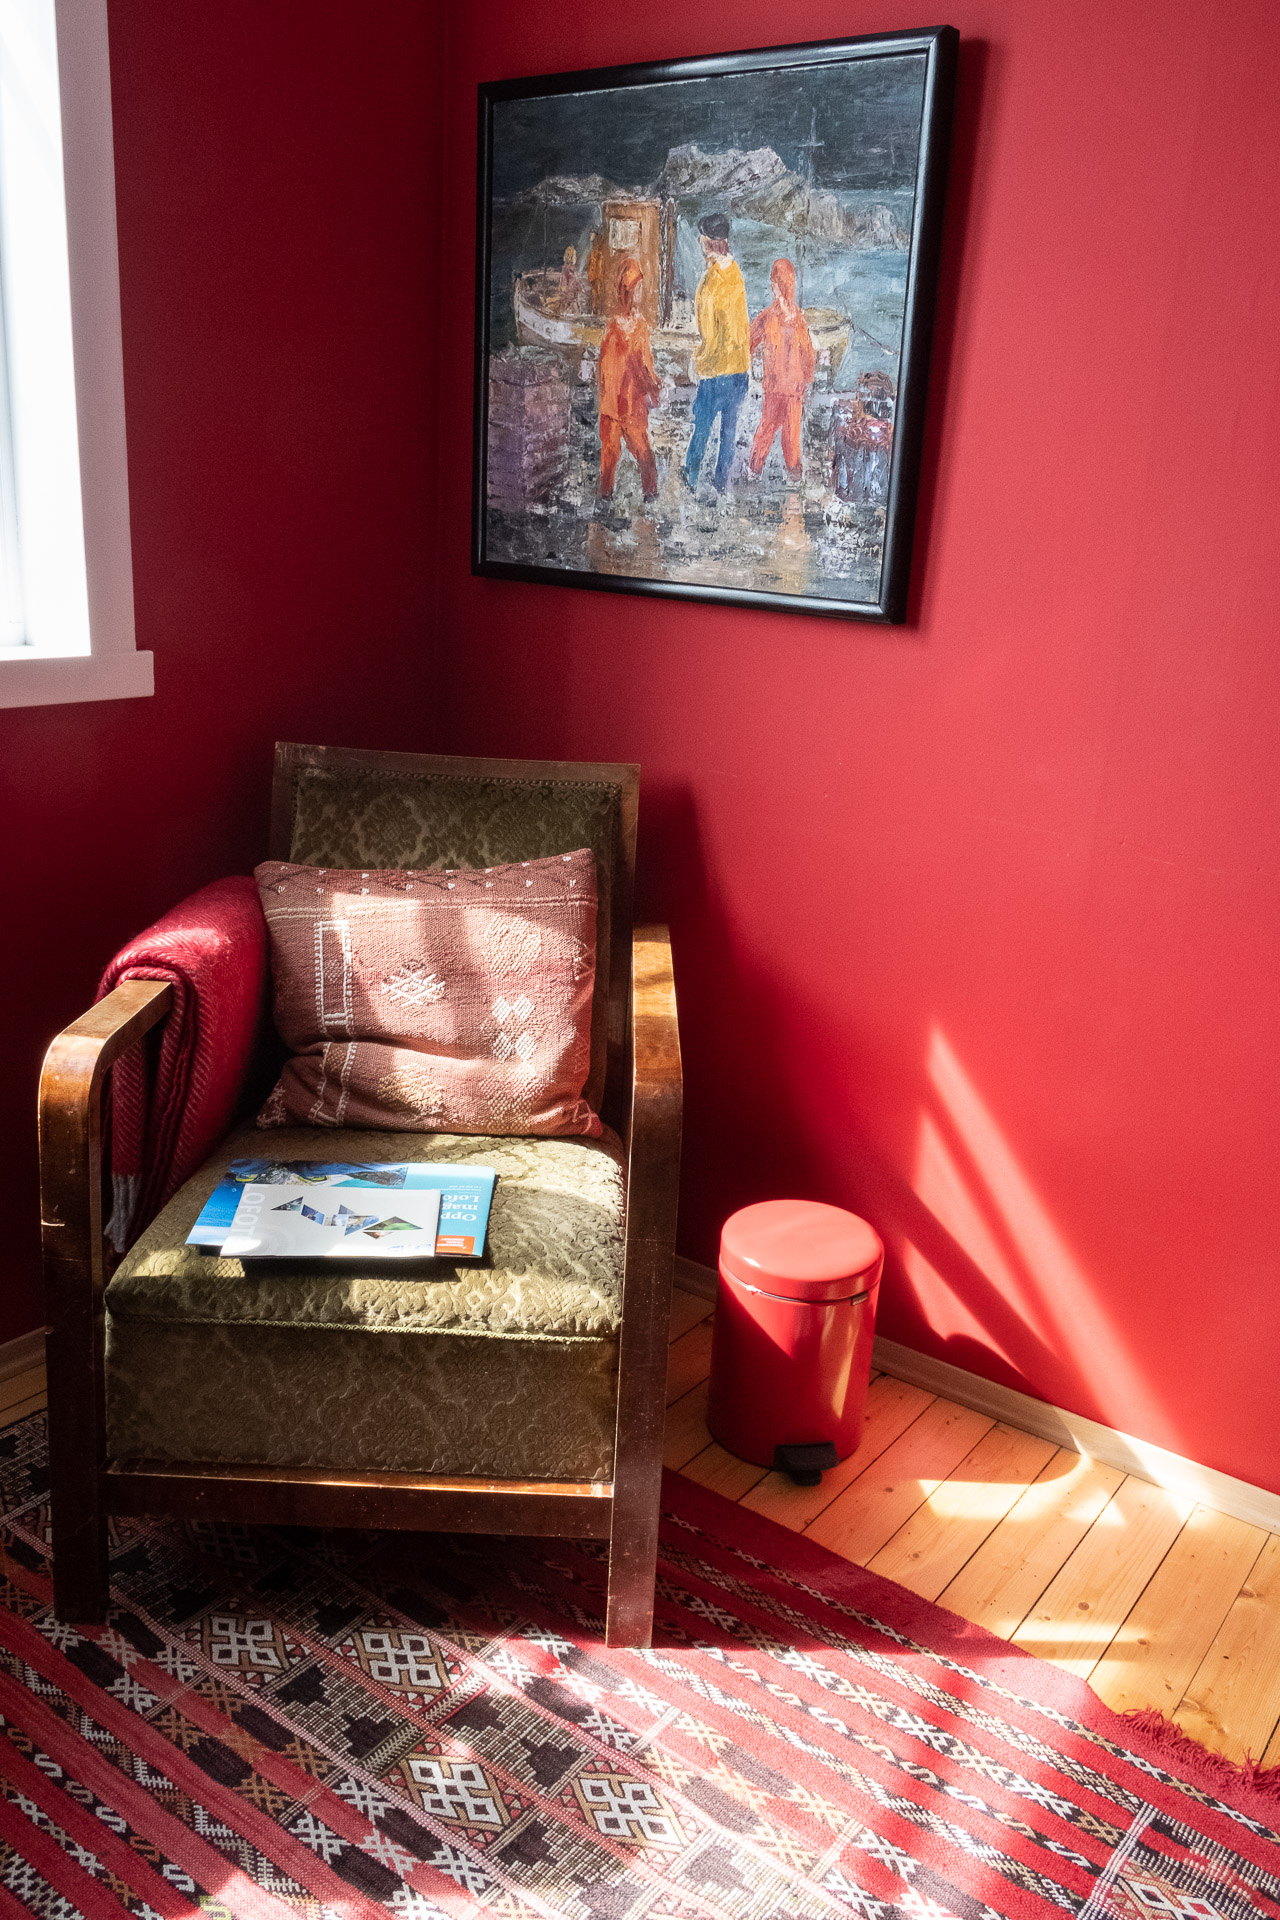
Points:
(523, 1397)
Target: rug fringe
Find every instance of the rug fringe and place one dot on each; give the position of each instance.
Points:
(1207, 1769)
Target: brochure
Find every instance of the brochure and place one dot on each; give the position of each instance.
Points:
(313, 1221)
(465, 1195)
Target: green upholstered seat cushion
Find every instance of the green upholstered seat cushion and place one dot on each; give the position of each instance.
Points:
(294, 1396)
(553, 1267)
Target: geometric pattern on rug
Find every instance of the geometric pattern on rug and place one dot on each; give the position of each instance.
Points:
(277, 1723)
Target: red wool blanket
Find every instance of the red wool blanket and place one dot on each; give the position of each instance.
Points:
(212, 950)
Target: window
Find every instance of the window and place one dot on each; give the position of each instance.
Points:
(66, 580)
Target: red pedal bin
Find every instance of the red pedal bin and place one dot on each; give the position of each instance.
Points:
(795, 1317)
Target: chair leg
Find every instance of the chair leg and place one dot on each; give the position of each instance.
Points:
(80, 1566)
(633, 1561)
(637, 1454)
(76, 1466)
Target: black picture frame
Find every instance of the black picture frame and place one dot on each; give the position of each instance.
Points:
(511, 516)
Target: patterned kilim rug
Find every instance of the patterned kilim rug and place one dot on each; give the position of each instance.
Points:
(290, 1723)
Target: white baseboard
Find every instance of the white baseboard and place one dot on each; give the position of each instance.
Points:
(17, 1355)
(1140, 1458)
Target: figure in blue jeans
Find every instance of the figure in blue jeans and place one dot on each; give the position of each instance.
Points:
(722, 360)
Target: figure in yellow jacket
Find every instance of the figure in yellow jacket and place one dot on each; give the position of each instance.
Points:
(722, 361)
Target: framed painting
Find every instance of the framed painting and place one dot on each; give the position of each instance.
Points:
(705, 294)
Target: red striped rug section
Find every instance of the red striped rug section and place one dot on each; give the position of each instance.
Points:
(524, 1591)
(546, 1593)
(762, 1700)
(337, 1816)
(296, 1859)
(83, 1764)
(202, 1862)
(982, 1698)
(11, 1908)
(85, 1830)
(344, 1820)
(675, 1675)
(1065, 1738)
(769, 1675)
(56, 1867)
(634, 1868)
(234, 1888)
(810, 1740)
(334, 1813)
(539, 1602)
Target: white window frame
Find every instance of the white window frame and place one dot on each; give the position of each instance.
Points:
(113, 669)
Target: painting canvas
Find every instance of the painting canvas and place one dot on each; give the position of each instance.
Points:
(705, 294)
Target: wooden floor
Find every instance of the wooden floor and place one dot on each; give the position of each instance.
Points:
(21, 1394)
(1155, 1601)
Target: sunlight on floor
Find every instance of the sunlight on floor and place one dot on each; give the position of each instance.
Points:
(972, 1499)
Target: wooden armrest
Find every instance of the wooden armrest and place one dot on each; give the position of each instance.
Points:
(71, 1126)
(653, 1144)
(656, 1075)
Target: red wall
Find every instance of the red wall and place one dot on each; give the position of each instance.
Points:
(976, 920)
(277, 183)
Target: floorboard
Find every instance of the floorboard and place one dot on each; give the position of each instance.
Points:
(1087, 1602)
(1153, 1658)
(722, 1472)
(942, 1535)
(891, 1407)
(688, 1361)
(19, 1409)
(1001, 1582)
(687, 1433)
(873, 1507)
(21, 1386)
(686, 1311)
(1233, 1701)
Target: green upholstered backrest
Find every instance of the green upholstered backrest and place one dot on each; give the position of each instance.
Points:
(342, 807)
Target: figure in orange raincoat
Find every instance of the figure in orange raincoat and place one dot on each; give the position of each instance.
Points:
(779, 333)
(628, 387)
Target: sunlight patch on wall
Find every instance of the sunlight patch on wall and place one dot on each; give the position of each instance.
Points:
(969, 1178)
(941, 1186)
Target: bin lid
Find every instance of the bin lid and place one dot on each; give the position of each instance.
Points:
(801, 1249)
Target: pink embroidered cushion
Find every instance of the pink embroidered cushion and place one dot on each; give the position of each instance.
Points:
(435, 1001)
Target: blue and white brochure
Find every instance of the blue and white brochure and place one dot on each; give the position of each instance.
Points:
(339, 1221)
(465, 1194)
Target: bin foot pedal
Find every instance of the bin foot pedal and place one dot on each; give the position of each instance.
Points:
(806, 1465)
